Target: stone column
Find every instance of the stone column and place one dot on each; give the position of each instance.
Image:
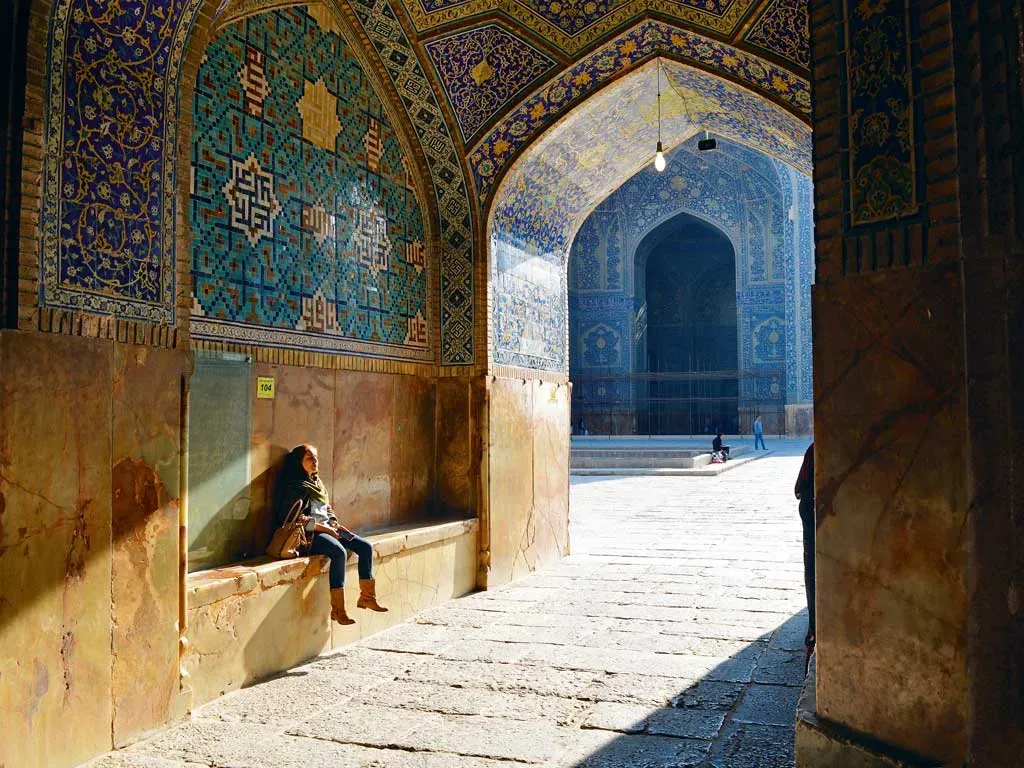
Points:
(917, 333)
(890, 422)
(990, 124)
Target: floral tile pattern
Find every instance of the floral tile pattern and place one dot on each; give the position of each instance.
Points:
(109, 179)
(883, 164)
(482, 70)
(574, 26)
(783, 29)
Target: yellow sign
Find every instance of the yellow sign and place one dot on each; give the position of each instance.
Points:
(265, 387)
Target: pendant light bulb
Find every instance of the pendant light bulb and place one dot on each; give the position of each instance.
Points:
(659, 154)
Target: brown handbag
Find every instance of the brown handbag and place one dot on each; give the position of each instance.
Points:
(290, 539)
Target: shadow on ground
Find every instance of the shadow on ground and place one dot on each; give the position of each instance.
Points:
(741, 714)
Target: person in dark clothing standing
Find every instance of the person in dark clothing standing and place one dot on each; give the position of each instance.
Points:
(804, 491)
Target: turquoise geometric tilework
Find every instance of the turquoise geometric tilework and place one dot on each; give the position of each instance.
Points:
(306, 231)
(482, 70)
(381, 26)
(109, 176)
(783, 29)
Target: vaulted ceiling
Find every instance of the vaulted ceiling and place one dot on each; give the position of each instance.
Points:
(486, 57)
(500, 72)
(508, 69)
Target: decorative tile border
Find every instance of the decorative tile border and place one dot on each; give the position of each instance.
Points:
(548, 21)
(880, 112)
(496, 151)
(385, 33)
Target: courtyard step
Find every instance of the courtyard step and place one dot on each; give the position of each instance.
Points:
(641, 458)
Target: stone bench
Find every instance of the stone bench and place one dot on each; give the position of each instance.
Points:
(261, 616)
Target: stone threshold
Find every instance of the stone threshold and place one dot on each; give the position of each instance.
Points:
(709, 470)
(821, 743)
(214, 584)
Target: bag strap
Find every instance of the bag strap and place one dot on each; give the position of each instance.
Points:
(294, 512)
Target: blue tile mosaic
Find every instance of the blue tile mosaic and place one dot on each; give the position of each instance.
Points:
(109, 179)
(306, 230)
(762, 205)
(482, 70)
(458, 292)
(783, 29)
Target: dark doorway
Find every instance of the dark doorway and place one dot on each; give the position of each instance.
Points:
(688, 270)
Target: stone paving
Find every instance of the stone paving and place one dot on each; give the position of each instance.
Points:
(671, 637)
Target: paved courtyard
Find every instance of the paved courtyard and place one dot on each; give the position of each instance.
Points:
(672, 637)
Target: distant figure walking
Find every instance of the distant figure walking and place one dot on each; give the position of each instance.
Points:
(804, 491)
(759, 433)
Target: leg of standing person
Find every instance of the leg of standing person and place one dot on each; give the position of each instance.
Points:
(327, 545)
(807, 521)
(367, 584)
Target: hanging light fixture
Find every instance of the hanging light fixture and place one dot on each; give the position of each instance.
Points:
(659, 153)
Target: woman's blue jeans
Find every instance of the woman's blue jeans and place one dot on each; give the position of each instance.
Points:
(337, 550)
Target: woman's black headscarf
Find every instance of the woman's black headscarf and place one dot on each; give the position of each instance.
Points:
(293, 482)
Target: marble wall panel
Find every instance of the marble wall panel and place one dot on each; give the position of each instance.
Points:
(146, 439)
(219, 447)
(412, 451)
(410, 581)
(457, 465)
(243, 637)
(892, 506)
(510, 513)
(550, 540)
(301, 411)
(55, 558)
(364, 404)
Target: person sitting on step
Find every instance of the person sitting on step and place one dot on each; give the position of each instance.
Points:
(722, 451)
(300, 481)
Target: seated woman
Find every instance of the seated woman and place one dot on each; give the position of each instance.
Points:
(300, 481)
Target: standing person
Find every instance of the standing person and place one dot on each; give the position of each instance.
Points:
(804, 491)
(759, 433)
(299, 482)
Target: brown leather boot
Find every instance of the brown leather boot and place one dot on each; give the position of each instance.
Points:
(368, 596)
(338, 607)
